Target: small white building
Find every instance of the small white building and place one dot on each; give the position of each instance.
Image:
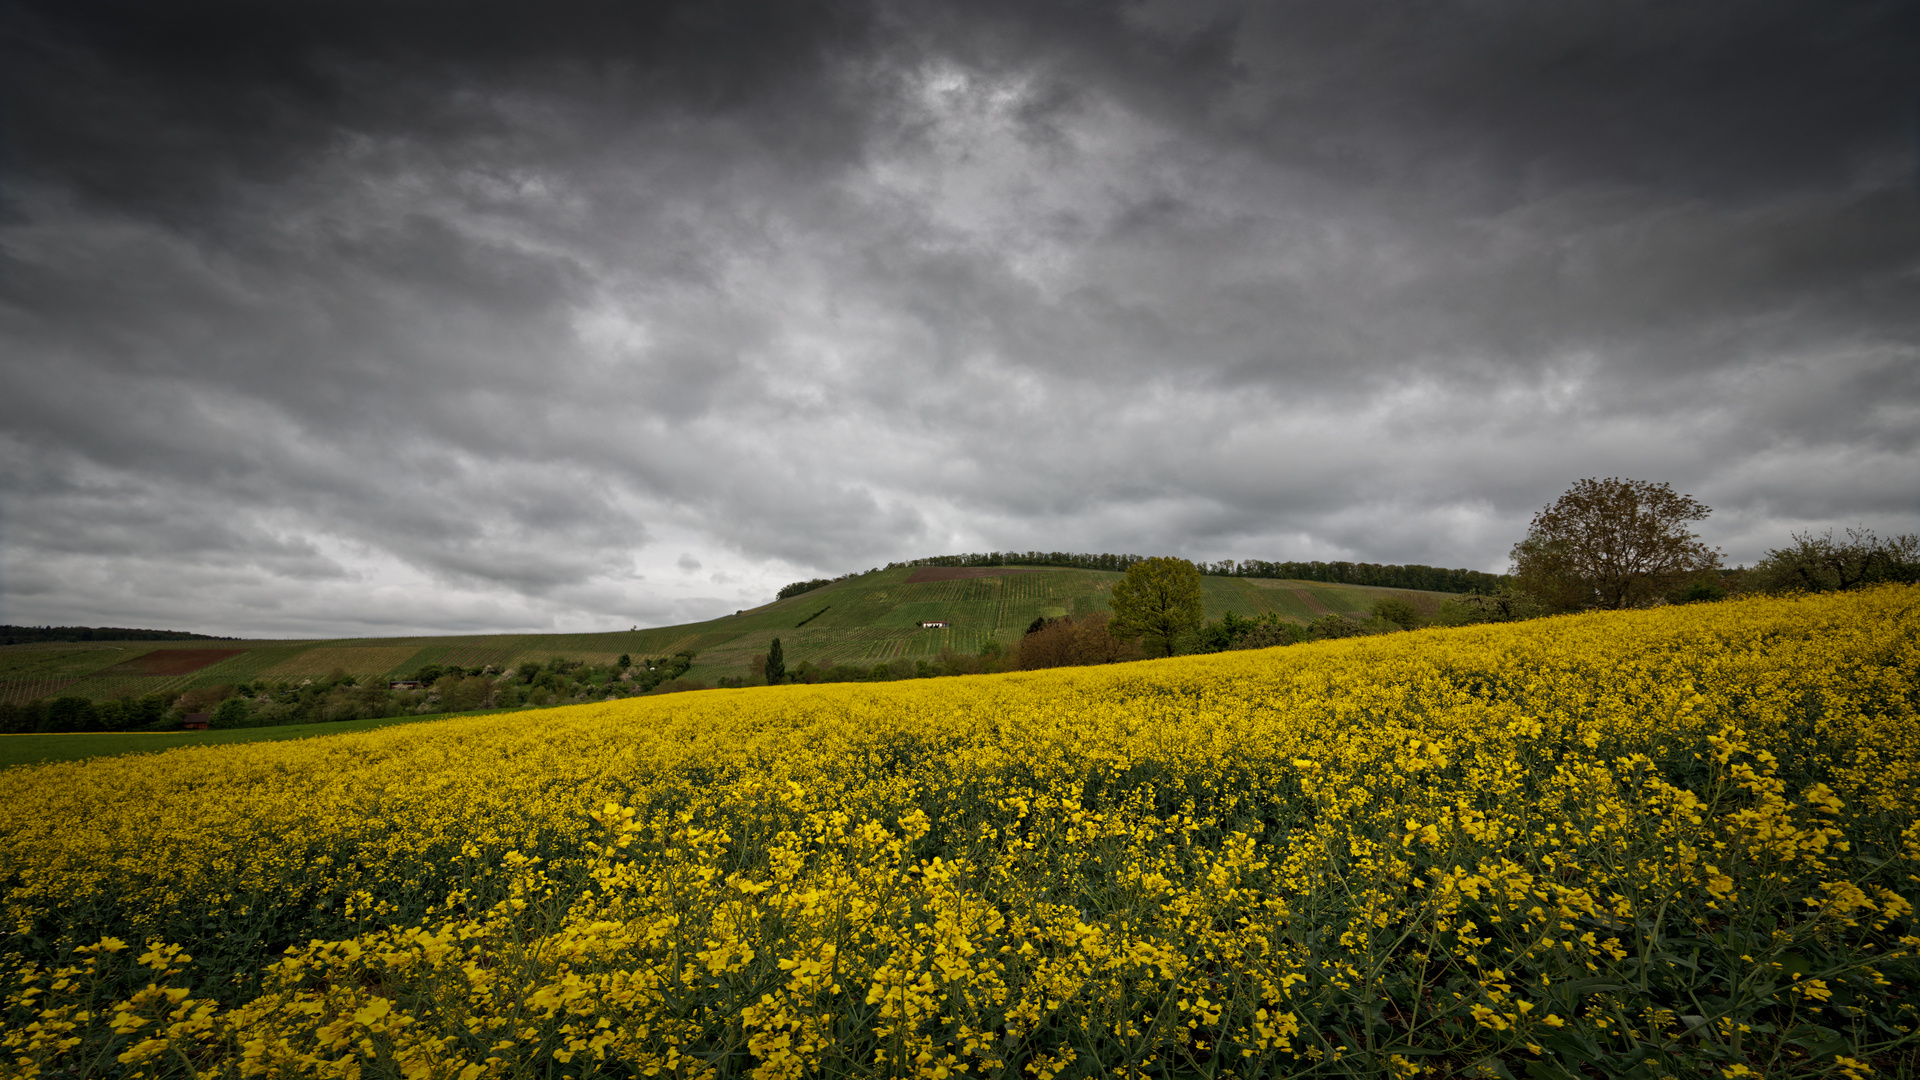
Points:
(933, 624)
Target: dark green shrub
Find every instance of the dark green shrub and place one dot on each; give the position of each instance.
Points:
(1398, 612)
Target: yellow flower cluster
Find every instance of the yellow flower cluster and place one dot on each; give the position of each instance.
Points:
(1674, 842)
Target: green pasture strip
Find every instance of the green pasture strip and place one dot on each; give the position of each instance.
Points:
(1247, 599)
(1284, 597)
(611, 645)
(21, 647)
(855, 610)
(858, 645)
(930, 642)
(1098, 598)
(886, 649)
(544, 655)
(25, 663)
(755, 621)
(838, 646)
(605, 649)
(681, 642)
(362, 658)
(746, 643)
(1037, 589)
(685, 639)
(243, 668)
(928, 592)
(1351, 599)
(1012, 617)
(78, 746)
(421, 658)
(961, 639)
(103, 687)
(479, 652)
(913, 612)
(587, 643)
(963, 591)
(1022, 588)
(402, 663)
(714, 639)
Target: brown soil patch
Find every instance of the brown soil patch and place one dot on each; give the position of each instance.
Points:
(958, 573)
(172, 661)
(1313, 602)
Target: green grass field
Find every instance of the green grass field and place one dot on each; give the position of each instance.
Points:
(38, 749)
(863, 620)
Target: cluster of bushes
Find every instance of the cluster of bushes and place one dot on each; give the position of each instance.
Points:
(1266, 631)
(340, 696)
(150, 713)
(1826, 564)
(667, 673)
(1389, 614)
(557, 681)
(1089, 639)
(991, 658)
(262, 704)
(1070, 642)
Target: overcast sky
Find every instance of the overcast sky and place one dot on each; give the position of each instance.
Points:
(329, 318)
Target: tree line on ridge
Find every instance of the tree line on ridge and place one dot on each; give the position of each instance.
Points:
(1409, 576)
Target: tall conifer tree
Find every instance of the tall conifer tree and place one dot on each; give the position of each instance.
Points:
(776, 664)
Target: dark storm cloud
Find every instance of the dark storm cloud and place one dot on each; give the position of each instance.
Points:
(318, 318)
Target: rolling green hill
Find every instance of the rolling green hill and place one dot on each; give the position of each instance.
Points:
(862, 620)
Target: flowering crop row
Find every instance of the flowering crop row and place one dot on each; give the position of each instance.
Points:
(1676, 842)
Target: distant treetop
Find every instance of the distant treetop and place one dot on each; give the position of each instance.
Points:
(1073, 559)
(21, 635)
(799, 587)
(1412, 576)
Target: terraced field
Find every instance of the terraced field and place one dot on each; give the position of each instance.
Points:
(863, 620)
(43, 670)
(13, 691)
(353, 659)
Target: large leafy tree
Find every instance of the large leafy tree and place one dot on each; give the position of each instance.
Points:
(1611, 544)
(1158, 600)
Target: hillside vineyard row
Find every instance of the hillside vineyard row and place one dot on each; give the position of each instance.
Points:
(1677, 842)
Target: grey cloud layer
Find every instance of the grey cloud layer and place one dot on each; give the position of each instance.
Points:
(343, 318)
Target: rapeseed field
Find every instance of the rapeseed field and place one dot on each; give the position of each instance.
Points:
(1678, 842)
